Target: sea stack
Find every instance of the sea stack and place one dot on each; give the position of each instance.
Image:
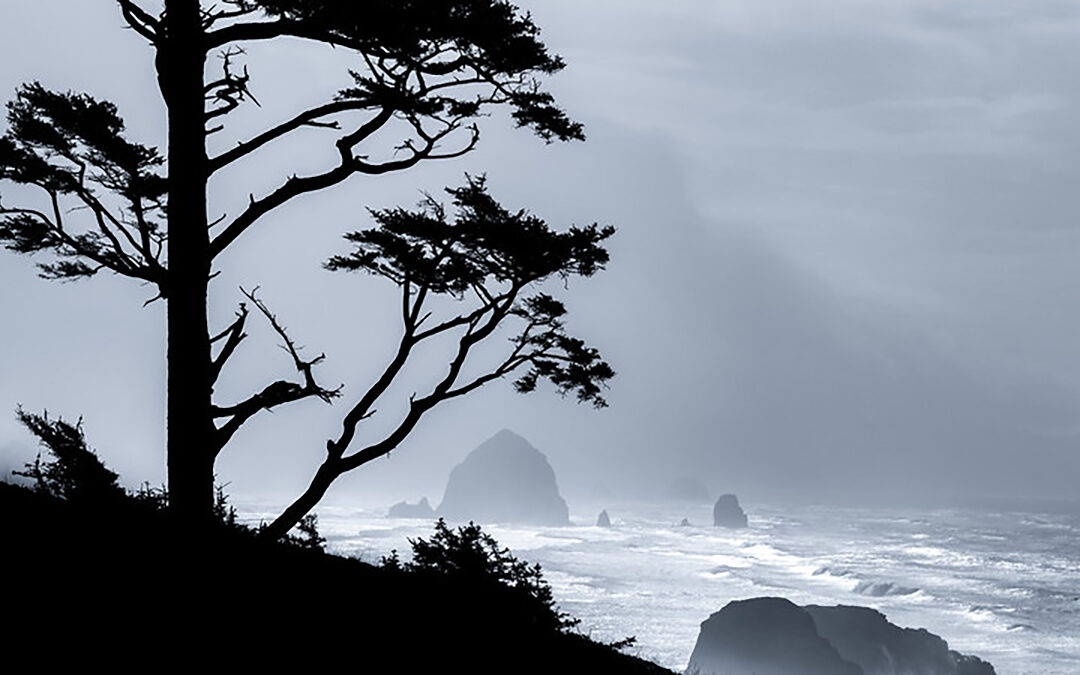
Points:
(728, 513)
(506, 480)
(421, 509)
(765, 636)
(603, 520)
(773, 636)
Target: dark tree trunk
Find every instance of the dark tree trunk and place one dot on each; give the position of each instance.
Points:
(180, 63)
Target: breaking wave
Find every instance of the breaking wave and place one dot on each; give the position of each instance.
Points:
(878, 589)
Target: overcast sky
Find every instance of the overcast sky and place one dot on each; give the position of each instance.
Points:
(845, 266)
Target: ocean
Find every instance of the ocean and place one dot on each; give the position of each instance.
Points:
(1003, 586)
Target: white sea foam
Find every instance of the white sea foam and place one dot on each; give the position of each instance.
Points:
(1001, 586)
(882, 588)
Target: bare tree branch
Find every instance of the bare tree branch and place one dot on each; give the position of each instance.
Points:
(268, 30)
(306, 118)
(213, 15)
(464, 319)
(231, 89)
(81, 245)
(302, 366)
(140, 20)
(359, 412)
(512, 362)
(297, 186)
(275, 394)
(350, 165)
(419, 406)
(148, 267)
(234, 334)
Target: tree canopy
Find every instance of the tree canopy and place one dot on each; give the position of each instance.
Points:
(72, 146)
(424, 74)
(491, 261)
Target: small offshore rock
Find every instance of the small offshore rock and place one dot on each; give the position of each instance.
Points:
(728, 513)
(421, 509)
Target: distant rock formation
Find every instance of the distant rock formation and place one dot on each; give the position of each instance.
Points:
(603, 520)
(505, 479)
(686, 489)
(728, 513)
(684, 523)
(765, 636)
(773, 636)
(421, 509)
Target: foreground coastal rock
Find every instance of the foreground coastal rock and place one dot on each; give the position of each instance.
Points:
(727, 512)
(421, 509)
(864, 636)
(765, 636)
(505, 480)
(773, 636)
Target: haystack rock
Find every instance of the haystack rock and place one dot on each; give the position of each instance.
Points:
(728, 513)
(504, 480)
(421, 509)
(773, 636)
(686, 489)
(603, 520)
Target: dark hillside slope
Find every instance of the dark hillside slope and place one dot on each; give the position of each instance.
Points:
(122, 586)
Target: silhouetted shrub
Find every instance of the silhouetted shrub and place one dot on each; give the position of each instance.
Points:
(308, 537)
(470, 555)
(153, 497)
(73, 471)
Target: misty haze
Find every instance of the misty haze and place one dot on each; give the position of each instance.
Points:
(751, 322)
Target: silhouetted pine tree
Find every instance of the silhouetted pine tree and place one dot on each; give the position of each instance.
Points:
(426, 71)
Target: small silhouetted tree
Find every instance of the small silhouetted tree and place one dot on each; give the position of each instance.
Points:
(425, 72)
(70, 469)
(470, 555)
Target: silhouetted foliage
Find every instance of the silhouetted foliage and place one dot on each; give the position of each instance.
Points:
(424, 73)
(72, 146)
(223, 510)
(482, 42)
(495, 254)
(308, 536)
(72, 470)
(472, 556)
(152, 496)
(84, 591)
(490, 261)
